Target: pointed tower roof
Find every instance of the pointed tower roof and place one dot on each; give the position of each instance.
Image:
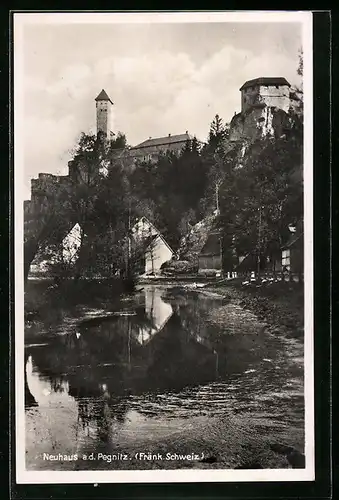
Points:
(103, 97)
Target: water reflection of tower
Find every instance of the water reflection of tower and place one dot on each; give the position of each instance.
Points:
(101, 413)
(84, 415)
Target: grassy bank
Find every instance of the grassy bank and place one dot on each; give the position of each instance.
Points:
(279, 304)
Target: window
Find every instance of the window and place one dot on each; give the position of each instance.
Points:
(286, 259)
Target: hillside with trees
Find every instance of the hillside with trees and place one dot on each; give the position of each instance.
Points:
(247, 184)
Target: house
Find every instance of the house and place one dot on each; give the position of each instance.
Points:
(65, 249)
(210, 256)
(151, 246)
(289, 263)
(71, 244)
(150, 149)
(292, 256)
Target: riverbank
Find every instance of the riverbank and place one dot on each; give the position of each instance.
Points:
(42, 296)
(279, 304)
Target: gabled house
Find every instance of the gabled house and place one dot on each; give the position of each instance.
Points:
(287, 263)
(65, 249)
(71, 244)
(151, 246)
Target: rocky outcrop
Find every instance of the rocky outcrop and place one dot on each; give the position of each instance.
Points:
(192, 243)
(258, 122)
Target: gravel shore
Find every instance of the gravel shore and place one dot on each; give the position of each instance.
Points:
(280, 305)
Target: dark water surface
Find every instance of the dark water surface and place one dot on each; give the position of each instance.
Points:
(160, 377)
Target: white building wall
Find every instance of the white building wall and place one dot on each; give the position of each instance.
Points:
(156, 254)
(278, 96)
(272, 95)
(71, 244)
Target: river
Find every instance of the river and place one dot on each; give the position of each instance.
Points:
(154, 375)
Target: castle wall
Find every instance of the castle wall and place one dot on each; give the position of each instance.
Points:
(45, 190)
(271, 95)
(278, 96)
(249, 96)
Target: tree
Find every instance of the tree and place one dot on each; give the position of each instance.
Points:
(95, 198)
(187, 222)
(217, 133)
(118, 141)
(300, 69)
(268, 196)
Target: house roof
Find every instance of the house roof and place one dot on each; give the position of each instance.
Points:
(103, 97)
(294, 96)
(145, 219)
(249, 262)
(149, 240)
(211, 246)
(120, 152)
(159, 235)
(164, 141)
(265, 80)
(153, 237)
(293, 239)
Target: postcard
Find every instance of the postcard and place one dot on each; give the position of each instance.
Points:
(163, 247)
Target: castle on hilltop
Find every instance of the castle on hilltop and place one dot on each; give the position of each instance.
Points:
(265, 102)
(147, 150)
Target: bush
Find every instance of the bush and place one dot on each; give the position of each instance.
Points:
(180, 267)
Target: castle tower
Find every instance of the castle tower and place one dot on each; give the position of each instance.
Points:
(265, 91)
(104, 114)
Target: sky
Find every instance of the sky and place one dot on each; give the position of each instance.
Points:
(162, 78)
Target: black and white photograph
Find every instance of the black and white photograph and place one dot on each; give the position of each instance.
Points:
(163, 178)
